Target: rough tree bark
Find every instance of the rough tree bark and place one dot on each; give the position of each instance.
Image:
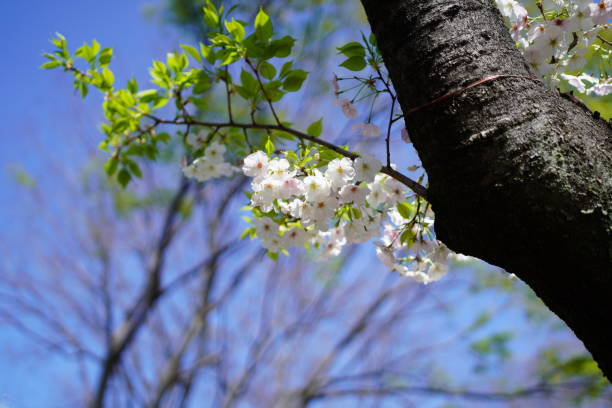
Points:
(519, 176)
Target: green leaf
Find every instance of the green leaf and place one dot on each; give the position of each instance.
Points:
(105, 56)
(220, 40)
(132, 85)
(281, 48)
(354, 63)
(51, 64)
(269, 147)
(286, 68)
(242, 91)
(372, 39)
(193, 52)
(404, 210)
(249, 84)
(294, 80)
(235, 29)
(315, 128)
(245, 233)
(95, 49)
(108, 76)
(254, 49)
(148, 95)
(211, 18)
(203, 83)
(60, 41)
(407, 238)
(273, 256)
(207, 53)
(352, 49)
(134, 168)
(263, 26)
(199, 102)
(292, 156)
(229, 57)
(124, 177)
(175, 62)
(161, 75)
(274, 91)
(83, 51)
(267, 70)
(82, 86)
(163, 137)
(110, 167)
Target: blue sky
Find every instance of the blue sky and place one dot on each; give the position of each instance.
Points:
(35, 99)
(42, 105)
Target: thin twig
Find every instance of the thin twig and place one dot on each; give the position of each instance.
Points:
(263, 90)
(229, 97)
(388, 140)
(603, 40)
(419, 189)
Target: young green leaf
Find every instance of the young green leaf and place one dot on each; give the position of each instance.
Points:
(246, 233)
(134, 168)
(95, 48)
(407, 237)
(294, 80)
(235, 29)
(108, 76)
(203, 83)
(105, 56)
(124, 177)
(263, 26)
(110, 167)
(132, 85)
(282, 47)
(83, 89)
(354, 63)
(192, 52)
(274, 91)
(211, 18)
(315, 128)
(269, 147)
(51, 64)
(404, 210)
(352, 49)
(267, 70)
(286, 68)
(249, 83)
(372, 39)
(207, 53)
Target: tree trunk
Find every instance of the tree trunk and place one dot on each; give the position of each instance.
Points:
(519, 176)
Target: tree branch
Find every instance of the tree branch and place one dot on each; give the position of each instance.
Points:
(417, 188)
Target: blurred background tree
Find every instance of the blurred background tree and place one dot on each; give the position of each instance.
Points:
(229, 327)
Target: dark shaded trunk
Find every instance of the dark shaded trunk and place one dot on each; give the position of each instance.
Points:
(519, 176)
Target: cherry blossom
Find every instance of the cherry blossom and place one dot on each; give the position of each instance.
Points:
(367, 129)
(340, 172)
(255, 164)
(366, 167)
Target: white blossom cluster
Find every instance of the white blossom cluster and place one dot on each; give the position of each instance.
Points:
(342, 203)
(556, 47)
(211, 165)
